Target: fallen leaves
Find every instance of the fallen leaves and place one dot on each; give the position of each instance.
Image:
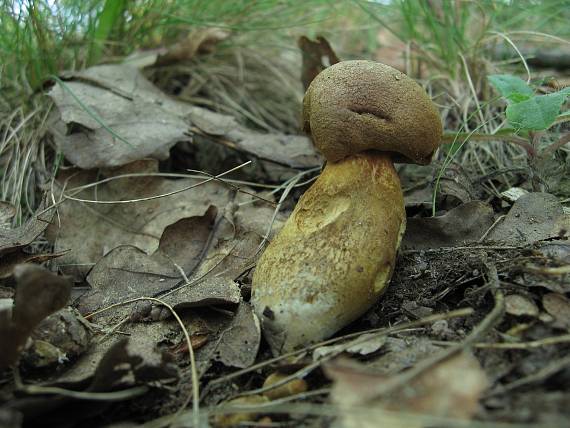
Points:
(125, 371)
(92, 229)
(558, 306)
(128, 233)
(533, 217)
(126, 271)
(14, 239)
(111, 115)
(462, 225)
(518, 305)
(39, 293)
(317, 55)
(450, 389)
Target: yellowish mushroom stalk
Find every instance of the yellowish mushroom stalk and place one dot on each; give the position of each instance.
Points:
(336, 253)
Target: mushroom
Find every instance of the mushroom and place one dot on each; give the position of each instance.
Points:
(336, 253)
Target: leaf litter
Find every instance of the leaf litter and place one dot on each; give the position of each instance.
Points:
(474, 324)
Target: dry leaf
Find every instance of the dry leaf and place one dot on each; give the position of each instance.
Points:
(58, 339)
(462, 225)
(39, 293)
(362, 345)
(450, 389)
(558, 306)
(533, 217)
(199, 41)
(90, 231)
(127, 272)
(123, 366)
(14, 239)
(317, 55)
(9, 261)
(144, 122)
(518, 305)
(234, 338)
(211, 291)
(292, 151)
(140, 121)
(239, 342)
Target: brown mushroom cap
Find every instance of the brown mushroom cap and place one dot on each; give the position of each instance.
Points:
(355, 106)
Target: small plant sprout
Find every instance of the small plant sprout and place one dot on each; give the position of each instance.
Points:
(529, 113)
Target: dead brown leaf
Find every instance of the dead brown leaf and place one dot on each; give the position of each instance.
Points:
(450, 389)
(127, 272)
(533, 217)
(121, 117)
(211, 291)
(91, 230)
(9, 261)
(518, 305)
(558, 306)
(291, 151)
(199, 41)
(362, 345)
(317, 55)
(110, 115)
(39, 293)
(234, 338)
(58, 339)
(124, 365)
(14, 239)
(239, 342)
(464, 224)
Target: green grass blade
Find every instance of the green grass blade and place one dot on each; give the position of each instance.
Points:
(111, 15)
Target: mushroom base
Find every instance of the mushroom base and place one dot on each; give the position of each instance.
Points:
(335, 254)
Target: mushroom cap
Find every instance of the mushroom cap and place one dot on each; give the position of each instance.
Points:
(354, 106)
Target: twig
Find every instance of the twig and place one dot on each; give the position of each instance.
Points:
(124, 394)
(474, 247)
(549, 341)
(560, 270)
(233, 186)
(495, 223)
(150, 198)
(542, 374)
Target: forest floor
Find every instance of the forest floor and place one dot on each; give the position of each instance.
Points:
(125, 294)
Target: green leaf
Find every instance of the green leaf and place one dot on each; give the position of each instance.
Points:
(511, 87)
(536, 113)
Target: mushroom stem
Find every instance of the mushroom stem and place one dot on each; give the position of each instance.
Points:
(335, 254)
